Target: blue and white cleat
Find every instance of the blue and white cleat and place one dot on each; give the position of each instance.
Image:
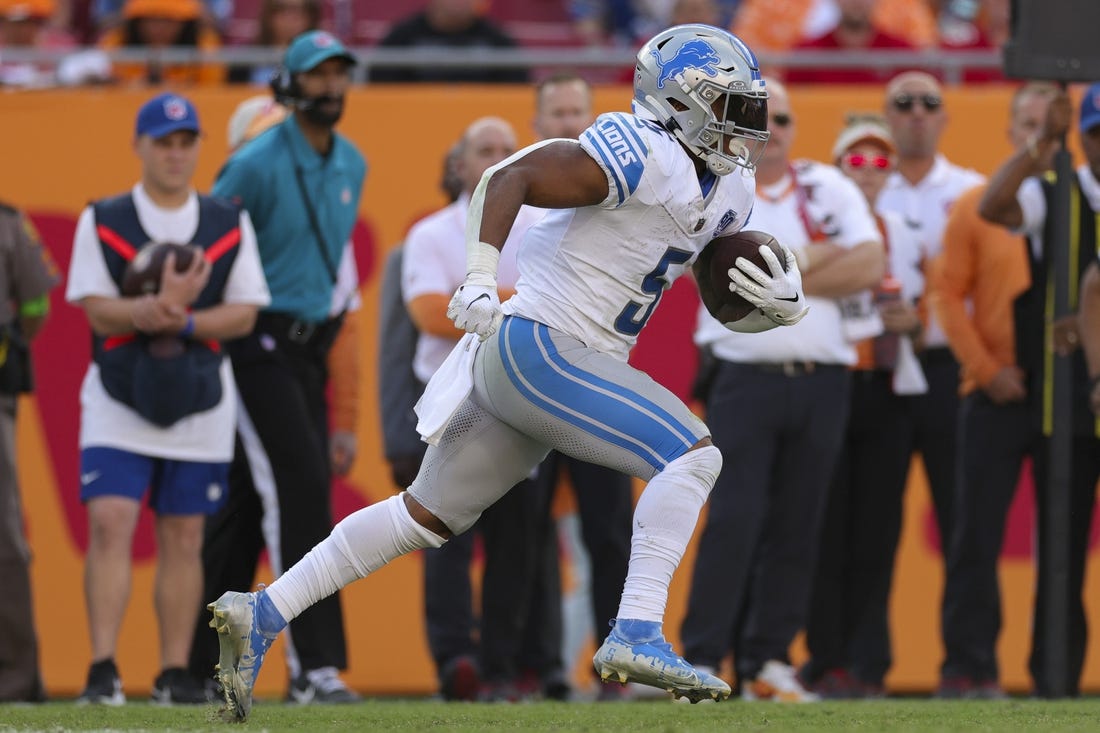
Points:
(636, 651)
(247, 624)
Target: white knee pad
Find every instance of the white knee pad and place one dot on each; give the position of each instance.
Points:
(700, 467)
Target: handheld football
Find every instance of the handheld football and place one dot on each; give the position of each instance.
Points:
(714, 264)
(142, 274)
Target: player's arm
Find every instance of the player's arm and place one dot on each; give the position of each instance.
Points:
(553, 174)
(110, 316)
(556, 174)
(999, 203)
(118, 316)
(855, 269)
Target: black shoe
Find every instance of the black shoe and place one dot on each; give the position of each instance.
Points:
(104, 686)
(556, 688)
(460, 679)
(320, 686)
(176, 686)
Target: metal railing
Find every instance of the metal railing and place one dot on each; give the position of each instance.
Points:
(949, 65)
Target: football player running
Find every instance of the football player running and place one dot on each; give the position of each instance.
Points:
(634, 201)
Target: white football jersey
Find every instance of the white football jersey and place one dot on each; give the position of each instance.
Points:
(596, 273)
(824, 198)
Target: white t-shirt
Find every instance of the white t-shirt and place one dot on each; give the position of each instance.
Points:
(435, 263)
(905, 255)
(596, 273)
(206, 436)
(840, 210)
(924, 208)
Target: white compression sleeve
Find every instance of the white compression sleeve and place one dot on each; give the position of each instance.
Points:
(664, 521)
(360, 544)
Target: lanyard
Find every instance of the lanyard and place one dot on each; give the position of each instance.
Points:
(813, 229)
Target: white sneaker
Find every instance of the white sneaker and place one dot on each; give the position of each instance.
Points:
(777, 682)
(322, 686)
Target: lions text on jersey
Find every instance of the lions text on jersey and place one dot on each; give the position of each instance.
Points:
(597, 273)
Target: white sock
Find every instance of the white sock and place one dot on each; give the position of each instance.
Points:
(360, 544)
(664, 521)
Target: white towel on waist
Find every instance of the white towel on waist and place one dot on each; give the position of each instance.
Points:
(447, 390)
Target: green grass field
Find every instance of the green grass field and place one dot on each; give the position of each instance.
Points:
(644, 717)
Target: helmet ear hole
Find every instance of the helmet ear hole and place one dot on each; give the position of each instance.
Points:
(676, 104)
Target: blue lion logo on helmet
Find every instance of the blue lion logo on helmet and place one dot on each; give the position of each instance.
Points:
(695, 54)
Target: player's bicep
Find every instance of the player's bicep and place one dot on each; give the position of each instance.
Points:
(561, 175)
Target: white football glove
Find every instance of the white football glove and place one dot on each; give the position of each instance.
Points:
(475, 308)
(778, 294)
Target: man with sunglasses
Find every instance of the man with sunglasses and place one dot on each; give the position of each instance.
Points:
(922, 190)
(751, 582)
(1019, 197)
(848, 631)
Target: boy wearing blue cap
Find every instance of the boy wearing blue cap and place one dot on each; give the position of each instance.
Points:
(1019, 197)
(301, 182)
(154, 424)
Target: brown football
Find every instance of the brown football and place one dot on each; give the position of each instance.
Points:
(142, 274)
(714, 264)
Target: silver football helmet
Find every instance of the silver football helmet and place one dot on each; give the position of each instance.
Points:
(703, 84)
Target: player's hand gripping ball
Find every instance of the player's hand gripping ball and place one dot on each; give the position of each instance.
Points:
(713, 271)
(143, 273)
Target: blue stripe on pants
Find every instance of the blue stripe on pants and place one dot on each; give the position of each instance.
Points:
(601, 408)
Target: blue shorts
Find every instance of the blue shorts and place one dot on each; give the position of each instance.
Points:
(175, 487)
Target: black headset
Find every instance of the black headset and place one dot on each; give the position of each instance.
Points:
(284, 87)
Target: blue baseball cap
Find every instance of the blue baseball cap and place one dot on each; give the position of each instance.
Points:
(313, 47)
(164, 114)
(1090, 108)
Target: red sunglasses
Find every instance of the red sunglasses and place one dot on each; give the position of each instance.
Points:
(855, 160)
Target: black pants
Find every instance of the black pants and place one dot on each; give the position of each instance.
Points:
(508, 530)
(937, 417)
(605, 505)
(848, 623)
(780, 437)
(20, 679)
(994, 441)
(284, 468)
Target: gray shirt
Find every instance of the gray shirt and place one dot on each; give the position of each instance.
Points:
(26, 270)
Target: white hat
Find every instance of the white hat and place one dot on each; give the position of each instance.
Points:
(253, 116)
(860, 129)
(90, 66)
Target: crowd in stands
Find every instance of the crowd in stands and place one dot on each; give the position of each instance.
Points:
(95, 41)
